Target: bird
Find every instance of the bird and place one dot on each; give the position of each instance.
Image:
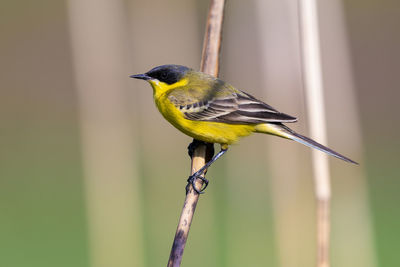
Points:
(211, 110)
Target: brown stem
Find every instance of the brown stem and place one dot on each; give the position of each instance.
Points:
(210, 65)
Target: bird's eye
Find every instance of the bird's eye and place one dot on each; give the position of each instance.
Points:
(164, 75)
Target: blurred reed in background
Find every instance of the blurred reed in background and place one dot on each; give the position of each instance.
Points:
(259, 208)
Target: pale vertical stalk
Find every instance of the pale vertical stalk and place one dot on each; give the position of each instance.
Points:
(291, 191)
(352, 219)
(312, 72)
(98, 44)
(210, 65)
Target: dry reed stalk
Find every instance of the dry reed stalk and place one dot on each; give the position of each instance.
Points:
(98, 41)
(210, 65)
(311, 60)
(278, 34)
(356, 229)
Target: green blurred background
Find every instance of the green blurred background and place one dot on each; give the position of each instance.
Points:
(91, 175)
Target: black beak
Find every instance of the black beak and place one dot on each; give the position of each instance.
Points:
(141, 76)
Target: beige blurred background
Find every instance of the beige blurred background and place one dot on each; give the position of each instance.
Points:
(92, 175)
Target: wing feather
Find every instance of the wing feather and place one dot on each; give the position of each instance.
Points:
(226, 104)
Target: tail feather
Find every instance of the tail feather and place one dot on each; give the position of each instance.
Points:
(311, 143)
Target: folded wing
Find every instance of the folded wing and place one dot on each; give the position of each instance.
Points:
(228, 105)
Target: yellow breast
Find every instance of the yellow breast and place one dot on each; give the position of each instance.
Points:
(212, 132)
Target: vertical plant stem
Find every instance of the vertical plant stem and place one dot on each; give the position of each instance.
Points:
(278, 33)
(98, 38)
(210, 65)
(212, 38)
(356, 230)
(316, 113)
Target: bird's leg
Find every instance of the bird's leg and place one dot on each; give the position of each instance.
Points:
(198, 175)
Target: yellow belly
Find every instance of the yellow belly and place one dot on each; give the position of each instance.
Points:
(212, 132)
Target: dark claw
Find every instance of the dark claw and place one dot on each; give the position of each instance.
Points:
(204, 186)
(209, 159)
(192, 180)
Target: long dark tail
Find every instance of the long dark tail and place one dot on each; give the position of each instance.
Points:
(311, 143)
(284, 131)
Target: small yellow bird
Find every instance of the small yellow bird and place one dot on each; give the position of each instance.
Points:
(211, 110)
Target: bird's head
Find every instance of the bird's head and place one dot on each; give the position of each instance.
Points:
(165, 77)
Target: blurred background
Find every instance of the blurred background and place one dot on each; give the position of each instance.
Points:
(92, 175)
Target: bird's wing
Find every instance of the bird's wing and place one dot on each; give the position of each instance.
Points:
(223, 103)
